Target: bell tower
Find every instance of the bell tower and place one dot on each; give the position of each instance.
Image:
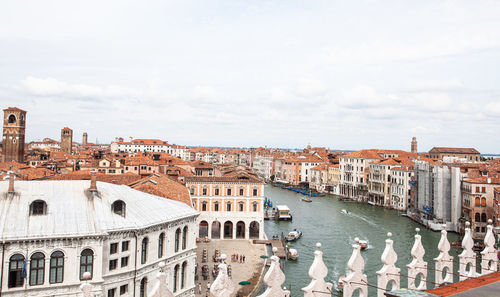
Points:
(414, 145)
(67, 140)
(14, 126)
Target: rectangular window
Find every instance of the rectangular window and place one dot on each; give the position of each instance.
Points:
(113, 248)
(123, 289)
(228, 192)
(216, 191)
(484, 189)
(125, 246)
(124, 262)
(241, 192)
(204, 192)
(477, 190)
(113, 264)
(111, 292)
(255, 192)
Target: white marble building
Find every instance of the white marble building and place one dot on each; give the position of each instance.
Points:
(51, 232)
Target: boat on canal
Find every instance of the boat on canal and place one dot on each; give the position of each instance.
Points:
(293, 254)
(344, 211)
(282, 213)
(306, 199)
(294, 235)
(363, 244)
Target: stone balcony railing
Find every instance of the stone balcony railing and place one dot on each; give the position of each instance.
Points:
(356, 280)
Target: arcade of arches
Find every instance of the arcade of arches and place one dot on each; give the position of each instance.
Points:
(230, 230)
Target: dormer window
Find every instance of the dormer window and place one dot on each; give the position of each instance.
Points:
(38, 207)
(118, 207)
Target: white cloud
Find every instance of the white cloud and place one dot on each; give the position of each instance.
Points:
(52, 87)
(205, 93)
(311, 87)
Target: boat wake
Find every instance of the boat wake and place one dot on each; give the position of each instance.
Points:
(363, 219)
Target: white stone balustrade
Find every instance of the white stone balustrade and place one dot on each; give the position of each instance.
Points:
(356, 279)
(86, 288)
(223, 286)
(389, 272)
(274, 279)
(467, 264)
(417, 266)
(489, 262)
(443, 262)
(160, 289)
(317, 272)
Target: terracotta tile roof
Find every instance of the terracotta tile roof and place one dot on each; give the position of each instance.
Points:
(240, 178)
(201, 164)
(14, 108)
(466, 285)
(119, 179)
(365, 154)
(163, 186)
(320, 167)
(454, 150)
(483, 180)
(6, 166)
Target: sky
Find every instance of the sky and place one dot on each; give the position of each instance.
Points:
(340, 74)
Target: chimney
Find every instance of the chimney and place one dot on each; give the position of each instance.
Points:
(489, 180)
(93, 184)
(11, 183)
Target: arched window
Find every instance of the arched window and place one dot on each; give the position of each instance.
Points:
(184, 237)
(16, 278)
(478, 201)
(217, 191)
(254, 206)
(191, 190)
(483, 218)
(242, 191)
(38, 207)
(228, 206)
(204, 191)
(240, 206)
(161, 243)
(183, 274)
(483, 202)
(143, 288)
(144, 250)
(477, 217)
(12, 119)
(56, 274)
(176, 274)
(86, 262)
(204, 206)
(177, 239)
(37, 268)
(255, 191)
(118, 207)
(216, 206)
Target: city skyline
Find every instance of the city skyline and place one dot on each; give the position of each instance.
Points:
(340, 75)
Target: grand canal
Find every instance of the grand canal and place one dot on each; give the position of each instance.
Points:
(322, 221)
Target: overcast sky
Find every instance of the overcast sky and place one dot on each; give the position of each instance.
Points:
(339, 74)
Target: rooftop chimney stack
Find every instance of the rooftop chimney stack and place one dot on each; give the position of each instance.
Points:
(11, 182)
(93, 184)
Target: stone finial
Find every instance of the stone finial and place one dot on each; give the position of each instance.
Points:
(356, 279)
(389, 272)
(489, 262)
(160, 289)
(444, 262)
(274, 279)
(318, 271)
(86, 288)
(417, 265)
(222, 286)
(468, 256)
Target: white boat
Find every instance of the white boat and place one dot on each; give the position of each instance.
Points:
(344, 211)
(294, 235)
(293, 254)
(363, 244)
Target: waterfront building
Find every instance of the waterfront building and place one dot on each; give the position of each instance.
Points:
(14, 127)
(319, 177)
(437, 195)
(263, 166)
(67, 140)
(471, 154)
(354, 171)
(54, 231)
(333, 176)
(231, 207)
(306, 163)
(401, 178)
(479, 204)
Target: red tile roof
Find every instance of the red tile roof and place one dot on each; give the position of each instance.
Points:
(163, 186)
(453, 150)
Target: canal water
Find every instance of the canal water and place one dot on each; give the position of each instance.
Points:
(322, 221)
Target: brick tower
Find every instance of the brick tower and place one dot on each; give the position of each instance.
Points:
(84, 139)
(414, 145)
(66, 140)
(14, 126)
